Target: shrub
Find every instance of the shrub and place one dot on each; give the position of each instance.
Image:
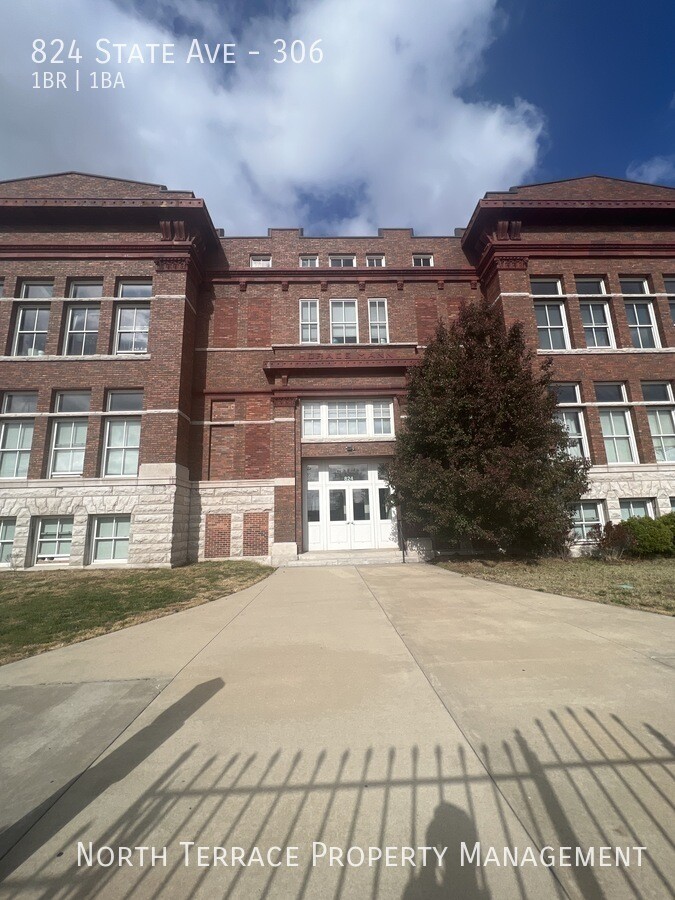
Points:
(612, 541)
(651, 535)
(669, 521)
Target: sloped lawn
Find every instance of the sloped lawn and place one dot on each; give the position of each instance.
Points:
(41, 610)
(647, 584)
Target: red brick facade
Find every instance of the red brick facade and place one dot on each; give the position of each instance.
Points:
(226, 371)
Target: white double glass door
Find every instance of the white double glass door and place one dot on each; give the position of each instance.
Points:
(346, 506)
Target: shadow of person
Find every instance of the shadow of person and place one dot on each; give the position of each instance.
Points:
(448, 828)
(21, 840)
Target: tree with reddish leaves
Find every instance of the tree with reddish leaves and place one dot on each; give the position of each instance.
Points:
(481, 457)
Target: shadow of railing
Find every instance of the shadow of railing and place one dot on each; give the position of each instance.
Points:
(577, 779)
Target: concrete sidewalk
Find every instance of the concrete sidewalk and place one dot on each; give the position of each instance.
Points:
(393, 706)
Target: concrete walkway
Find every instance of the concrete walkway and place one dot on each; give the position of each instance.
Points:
(351, 707)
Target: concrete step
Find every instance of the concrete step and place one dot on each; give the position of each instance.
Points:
(350, 558)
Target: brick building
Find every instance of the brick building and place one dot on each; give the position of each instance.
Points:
(170, 393)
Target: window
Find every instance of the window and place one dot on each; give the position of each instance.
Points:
(260, 261)
(374, 261)
(565, 393)
(73, 401)
(590, 286)
(344, 327)
(16, 435)
(347, 419)
(551, 326)
(131, 333)
(122, 435)
(54, 539)
(342, 262)
(661, 419)
(573, 422)
(618, 436)
(82, 330)
(86, 290)
(642, 325)
(670, 290)
(422, 260)
(545, 287)
(309, 321)
(31, 331)
(2, 286)
(657, 391)
(587, 516)
(641, 509)
(309, 262)
(70, 439)
(135, 289)
(110, 539)
(37, 290)
(379, 327)
(610, 392)
(633, 285)
(7, 527)
(597, 327)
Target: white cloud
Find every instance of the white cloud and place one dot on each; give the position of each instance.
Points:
(657, 170)
(380, 121)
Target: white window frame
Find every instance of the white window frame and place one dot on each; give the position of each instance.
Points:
(374, 302)
(652, 324)
(370, 264)
(594, 327)
(118, 315)
(31, 282)
(615, 410)
(650, 507)
(317, 412)
(5, 402)
(87, 308)
(333, 324)
(57, 557)
(77, 282)
(423, 260)
(20, 454)
(567, 403)
(7, 543)
(645, 287)
(260, 261)
(587, 525)
(126, 448)
(97, 539)
(557, 293)
(659, 437)
(71, 448)
(620, 384)
(561, 413)
(122, 283)
(547, 328)
(308, 261)
(18, 330)
(312, 303)
(334, 257)
(603, 286)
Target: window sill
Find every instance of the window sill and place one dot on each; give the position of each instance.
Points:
(605, 350)
(64, 358)
(348, 439)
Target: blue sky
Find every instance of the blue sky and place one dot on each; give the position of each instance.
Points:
(416, 111)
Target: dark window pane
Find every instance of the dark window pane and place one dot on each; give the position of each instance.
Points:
(632, 285)
(312, 506)
(125, 401)
(653, 392)
(338, 505)
(565, 393)
(542, 287)
(385, 503)
(135, 289)
(86, 289)
(361, 503)
(608, 393)
(589, 285)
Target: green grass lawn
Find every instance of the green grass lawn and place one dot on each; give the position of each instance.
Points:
(41, 610)
(641, 584)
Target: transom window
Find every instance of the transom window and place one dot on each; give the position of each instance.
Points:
(374, 261)
(610, 392)
(54, 539)
(344, 327)
(72, 401)
(551, 326)
(7, 528)
(110, 538)
(657, 391)
(422, 260)
(86, 290)
(379, 326)
(125, 401)
(342, 262)
(588, 515)
(637, 508)
(573, 422)
(597, 327)
(565, 393)
(545, 287)
(309, 262)
(37, 290)
(642, 325)
(590, 285)
(31, 331)
(19, 402)
(617, 434)
(338, 419)
(82, 330)
(260, 261)
(633, 285)
(133, 326)
(309, 321)
(134, 288)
